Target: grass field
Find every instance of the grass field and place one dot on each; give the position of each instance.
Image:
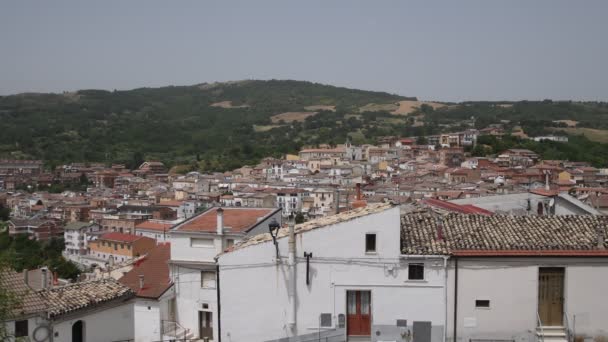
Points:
(599, 135)
(291, 116)
(264, 128)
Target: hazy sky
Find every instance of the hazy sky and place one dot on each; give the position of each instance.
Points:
(448, 50)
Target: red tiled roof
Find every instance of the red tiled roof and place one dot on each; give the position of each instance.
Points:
(465, 209)
(155, 269)
(545, 192)
(545, 253)
(154, 225)
(238, 219)
(121, 237)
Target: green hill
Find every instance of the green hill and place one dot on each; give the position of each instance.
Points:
(221, 126)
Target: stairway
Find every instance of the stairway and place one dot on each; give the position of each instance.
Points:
(551, 334)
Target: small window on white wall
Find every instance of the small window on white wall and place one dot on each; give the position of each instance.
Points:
(207, 279)
(198, 242)
(370, 243)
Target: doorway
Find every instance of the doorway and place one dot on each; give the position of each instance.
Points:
(551, 295)
(205, 324)
(78, 331)
(358, 313)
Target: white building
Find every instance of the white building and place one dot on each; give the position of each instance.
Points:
(518, 278)
(76, 236)
(347, 278)
(93, 311)
(194, 246)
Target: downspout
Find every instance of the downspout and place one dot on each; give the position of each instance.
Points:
(445, 296)
(291, 262)
(219, 307)
(455, 299)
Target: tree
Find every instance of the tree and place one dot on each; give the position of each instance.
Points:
(5, 213)
(421, 140)
(300, 218)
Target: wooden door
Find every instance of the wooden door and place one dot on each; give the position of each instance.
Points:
(551, 295)
(358, 313)
(205, 321)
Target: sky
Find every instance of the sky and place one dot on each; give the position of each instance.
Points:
(435, 50)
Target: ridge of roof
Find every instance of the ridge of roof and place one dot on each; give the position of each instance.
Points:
(314, 224)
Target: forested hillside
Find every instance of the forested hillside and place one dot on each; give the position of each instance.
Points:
(225, 125)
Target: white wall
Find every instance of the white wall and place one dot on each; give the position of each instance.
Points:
(33, 323)
(254, 287)
(147, 324)
(190, 298)
(511, 285)
(111, 324)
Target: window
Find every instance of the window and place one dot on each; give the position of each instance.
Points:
(115, 246)
(21, 329)
(207, 280)
(482, 303)
(370, 243)
(198, 242)
(229, 243)
(415, 272)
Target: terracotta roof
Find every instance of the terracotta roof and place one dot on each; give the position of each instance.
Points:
(155, 269)
(502, 234)
(29, 302)
(73, 297)
(120, 237)
(237, 219)
(154, 225)
(453, 207)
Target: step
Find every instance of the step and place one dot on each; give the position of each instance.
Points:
(551, 334)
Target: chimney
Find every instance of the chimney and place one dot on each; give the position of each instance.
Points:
(26, 276)
(439, 230)
(601, 237)
(141, 281)
(358, 191)
(547, 186)
(44, 277)
(220, 221)
(337, 201)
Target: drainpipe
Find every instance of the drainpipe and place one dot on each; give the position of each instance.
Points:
(445, 296)
(455, 299)
(291, 262)
(220, 221)
(219, 307)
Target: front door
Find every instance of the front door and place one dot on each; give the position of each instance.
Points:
(205, 323)
(358, 313)
(551, 295)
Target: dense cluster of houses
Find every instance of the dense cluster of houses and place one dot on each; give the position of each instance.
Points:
(394, 242)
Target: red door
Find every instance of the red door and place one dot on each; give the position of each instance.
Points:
(358, 313)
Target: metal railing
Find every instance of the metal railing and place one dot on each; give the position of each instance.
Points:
(540, 325)
(173, 329)
(569, 336)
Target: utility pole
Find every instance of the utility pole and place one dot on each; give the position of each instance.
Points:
(291, 262)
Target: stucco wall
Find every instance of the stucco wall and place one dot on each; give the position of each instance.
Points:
(111, 324)
(511, 285)
(147, 324)
(251, 281)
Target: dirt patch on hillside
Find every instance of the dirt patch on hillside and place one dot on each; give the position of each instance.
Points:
(569, 123)
(320, 107)
(407, 107)
(227, 105)
(264, 128)
(291, 116)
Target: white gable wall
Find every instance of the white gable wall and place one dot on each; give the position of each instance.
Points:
(252, 281)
